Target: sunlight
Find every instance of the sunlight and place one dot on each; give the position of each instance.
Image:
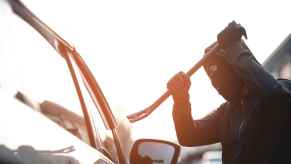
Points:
(133, 48)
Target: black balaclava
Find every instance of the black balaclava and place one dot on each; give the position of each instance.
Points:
(223, 78)
(234, 72)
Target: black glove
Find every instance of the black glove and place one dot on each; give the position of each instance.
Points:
(179, 86)
(230, 45)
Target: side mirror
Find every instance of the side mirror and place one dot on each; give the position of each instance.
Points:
(152, 151)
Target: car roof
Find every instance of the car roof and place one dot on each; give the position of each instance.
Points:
(23, 128)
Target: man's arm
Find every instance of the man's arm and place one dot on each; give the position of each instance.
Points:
(251, 71)
(192, 132)
(197, 132)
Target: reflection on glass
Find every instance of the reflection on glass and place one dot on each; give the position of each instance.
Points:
(156, 153)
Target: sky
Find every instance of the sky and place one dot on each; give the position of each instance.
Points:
(133, 48)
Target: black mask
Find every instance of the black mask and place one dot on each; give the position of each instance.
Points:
(223, 78)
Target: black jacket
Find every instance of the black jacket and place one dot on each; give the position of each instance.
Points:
(255, 129)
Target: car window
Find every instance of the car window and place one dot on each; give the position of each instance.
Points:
(53, 70)
(103, 135)
(33, 67)
(36, 69)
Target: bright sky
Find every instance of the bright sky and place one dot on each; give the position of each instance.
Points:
(133, 48)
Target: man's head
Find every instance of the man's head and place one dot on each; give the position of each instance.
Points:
(223, 78)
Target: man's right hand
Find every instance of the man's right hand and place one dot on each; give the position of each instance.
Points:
(178, 86)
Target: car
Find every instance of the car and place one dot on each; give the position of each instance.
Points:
(279, 62)
(105, 132)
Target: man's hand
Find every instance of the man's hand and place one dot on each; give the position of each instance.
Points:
(179, 86)
(230, 44)
(231, 54)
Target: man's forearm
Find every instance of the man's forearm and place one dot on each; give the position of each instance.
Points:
(194, 132)
(254, 73)
(182, 120)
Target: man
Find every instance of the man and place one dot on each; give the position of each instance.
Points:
(253, 125)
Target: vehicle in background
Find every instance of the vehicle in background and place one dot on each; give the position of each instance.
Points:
(279, 62)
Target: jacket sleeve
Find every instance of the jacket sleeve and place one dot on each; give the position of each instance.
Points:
(196, 132)
(262, 82)
(251, 71)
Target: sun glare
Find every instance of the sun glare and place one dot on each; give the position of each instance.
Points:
(133, 48)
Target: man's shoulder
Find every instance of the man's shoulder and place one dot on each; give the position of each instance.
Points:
(284, 91)
(282, 98)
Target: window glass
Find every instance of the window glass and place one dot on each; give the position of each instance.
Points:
(103, 135)
(33, 67)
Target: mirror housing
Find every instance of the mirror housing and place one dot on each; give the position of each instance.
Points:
(151, 151)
